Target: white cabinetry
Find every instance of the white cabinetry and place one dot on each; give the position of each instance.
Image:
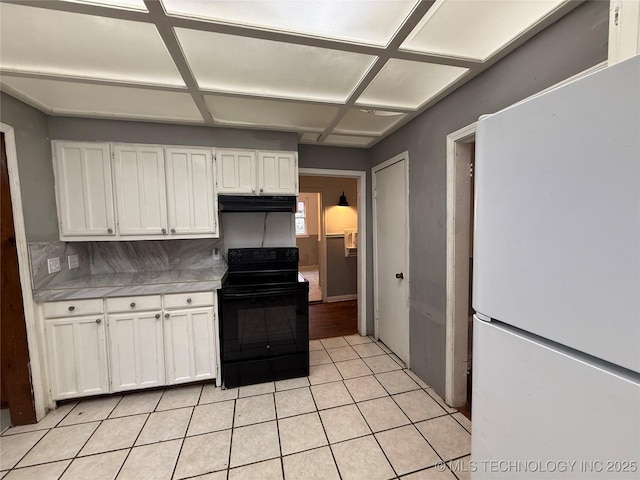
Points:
(136, 357)
(191, 201)
(77, 350)
(190, 337)
(260, 173)
(277, 173)
(140, 190)
(83, 189)
(236, 171)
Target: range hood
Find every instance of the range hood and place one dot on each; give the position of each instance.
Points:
(255, 203)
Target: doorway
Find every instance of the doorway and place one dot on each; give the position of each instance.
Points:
(14, 360)
(391, 253)
(460, 206)
(329, 184)
(309, 226)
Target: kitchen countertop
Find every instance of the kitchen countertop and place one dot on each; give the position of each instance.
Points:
(134, 283)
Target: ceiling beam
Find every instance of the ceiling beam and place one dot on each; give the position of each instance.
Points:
(403, 32)
(168, 35)
(86, 9)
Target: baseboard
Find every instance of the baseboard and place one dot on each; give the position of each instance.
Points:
(342, 298)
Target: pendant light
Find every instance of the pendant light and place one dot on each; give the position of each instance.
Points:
(343, 201)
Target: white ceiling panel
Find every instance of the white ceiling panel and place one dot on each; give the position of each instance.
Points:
(360, 21)
(310, 137)
(72, 98)
(407, 84)
(475, 28)
(83, 45)
(127, 4)
(370, 122)
(262, 67)
(348, 140)
(270, 113)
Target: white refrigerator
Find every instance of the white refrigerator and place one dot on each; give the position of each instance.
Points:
(556, 283)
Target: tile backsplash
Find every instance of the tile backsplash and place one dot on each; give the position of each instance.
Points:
(119, 257)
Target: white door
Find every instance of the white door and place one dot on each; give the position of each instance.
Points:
(135, 347)
(77, 356)
(277, 173)
(189, 345)
(140, 190)
(236, 171)
(191, 202)
(391, 253)
(84, 189)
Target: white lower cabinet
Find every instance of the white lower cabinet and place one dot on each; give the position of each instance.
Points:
(139, 349)
(77, 356)
(136, 357)
(189, 342)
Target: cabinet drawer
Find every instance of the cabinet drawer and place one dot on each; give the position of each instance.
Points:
(73, 307)
(132, 304)
(182, 300)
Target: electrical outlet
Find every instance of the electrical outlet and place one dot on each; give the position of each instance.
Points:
(74, 261)
(53, 264)
(216, 254)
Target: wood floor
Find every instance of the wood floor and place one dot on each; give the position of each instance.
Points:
(333, 319)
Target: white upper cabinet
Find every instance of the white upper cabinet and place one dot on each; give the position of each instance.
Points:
(258, 173)
(140, 190)
(236, 171)
(277, 173)
(191, 201)
(84, 189)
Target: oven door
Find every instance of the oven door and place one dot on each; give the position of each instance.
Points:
(264, 323)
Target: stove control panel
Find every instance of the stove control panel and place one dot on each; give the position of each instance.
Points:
(245, 256)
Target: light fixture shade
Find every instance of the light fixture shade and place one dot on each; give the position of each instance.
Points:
(343, 201)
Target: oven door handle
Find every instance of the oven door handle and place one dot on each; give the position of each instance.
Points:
(263, 292)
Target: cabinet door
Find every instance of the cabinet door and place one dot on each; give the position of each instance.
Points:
(84, 189)
(277, 173)
(135, 350)
(189, 345)
(236, 171)
(191, 203)
(140, 190)
(77, 356)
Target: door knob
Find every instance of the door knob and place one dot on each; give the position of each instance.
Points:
(400, 275)
(164, 231)
(109, 230)
(166, 315)
(132, 304)
(157, 315)
(99, 320)
(173, 230)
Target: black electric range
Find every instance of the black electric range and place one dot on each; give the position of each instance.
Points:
(264, 317)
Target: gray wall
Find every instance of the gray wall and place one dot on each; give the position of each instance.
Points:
(571, 45)
(34, 168)
(69, 128)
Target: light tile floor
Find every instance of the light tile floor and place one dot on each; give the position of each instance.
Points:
(359, 415)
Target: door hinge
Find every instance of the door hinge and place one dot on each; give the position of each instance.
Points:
(471, 168)
(466, 367)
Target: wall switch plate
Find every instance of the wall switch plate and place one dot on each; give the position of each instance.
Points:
(216, 254)
(53, 264)
(74, 261)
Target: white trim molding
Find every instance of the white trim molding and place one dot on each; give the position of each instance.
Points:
(361, 176)
(457, 284)
(36, 354)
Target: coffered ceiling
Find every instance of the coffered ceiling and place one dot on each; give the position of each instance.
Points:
(337, 72)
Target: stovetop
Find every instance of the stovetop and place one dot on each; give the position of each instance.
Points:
(262, 267)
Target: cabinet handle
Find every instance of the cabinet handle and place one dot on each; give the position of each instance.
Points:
(261, 190)
(157, 315)
(132, 304)
(164, 231)
(109, 230)
(188, 300)
(72, 308)
(173, 230)
(166, 315)
(99, 320)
